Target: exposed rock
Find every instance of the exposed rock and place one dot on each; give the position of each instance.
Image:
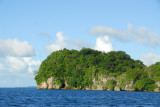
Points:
(100, 83)
(88, 88)
(97, 85)
(43, 85)
(117, 88)
(66, 85)
(75, 89)
(105, 78)
(55, 86)
(158, 83)
(131, 83)
(157, 90)
(129, 87)
(110, 89)
(50, 82)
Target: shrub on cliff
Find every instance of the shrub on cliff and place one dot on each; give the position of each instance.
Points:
(154, 71)
(145, 84)
(110, 84)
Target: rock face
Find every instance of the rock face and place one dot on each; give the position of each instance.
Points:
(157, 90)
(117, 88)
(43, 85)
(96, 85)
(50, 84)
(129, 87)
(99, 84)
(158, 83)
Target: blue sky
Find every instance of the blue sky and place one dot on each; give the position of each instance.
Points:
(31, 29)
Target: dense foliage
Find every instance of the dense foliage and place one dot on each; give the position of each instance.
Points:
(154, 71)
(110, 84)
(78, 68)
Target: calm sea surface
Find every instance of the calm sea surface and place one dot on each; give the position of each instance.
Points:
(31, 97)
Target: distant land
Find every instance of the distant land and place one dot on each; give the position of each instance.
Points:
(21, 87)
(31, 87)
(90, 69)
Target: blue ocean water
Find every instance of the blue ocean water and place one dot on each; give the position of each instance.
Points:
(31, 97)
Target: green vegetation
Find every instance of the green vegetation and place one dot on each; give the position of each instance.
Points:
(79, 68)
(110, 84)
(154, 71)
(145, 84)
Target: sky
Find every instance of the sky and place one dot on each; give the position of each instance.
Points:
(32, 29)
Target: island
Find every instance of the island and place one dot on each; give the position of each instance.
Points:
(90, 69)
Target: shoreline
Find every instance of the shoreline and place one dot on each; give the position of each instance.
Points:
(99, 90)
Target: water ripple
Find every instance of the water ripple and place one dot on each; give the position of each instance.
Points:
(31, 97)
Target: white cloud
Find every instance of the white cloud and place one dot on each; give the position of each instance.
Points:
(13, 64)
(17, 71)
(14, 47)
(150, 58)
(32, 64)
(102, 30)
(60, 43)
(103, 43)
(18, 64)
(140, 35)
(65, 42)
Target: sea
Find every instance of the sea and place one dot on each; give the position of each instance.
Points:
(32, 97)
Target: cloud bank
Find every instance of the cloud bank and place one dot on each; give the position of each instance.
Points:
(149, 58)
(60, 43)
(17, 71)
(103, 43)
(140, 35)
(16, 63)
(63, 41)
(14, 47)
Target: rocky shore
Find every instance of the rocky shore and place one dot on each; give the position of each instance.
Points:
(99, 84)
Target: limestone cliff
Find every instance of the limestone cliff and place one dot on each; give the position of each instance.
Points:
(98, 84)
(50, 84)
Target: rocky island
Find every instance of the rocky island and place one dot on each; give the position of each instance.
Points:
(90, 69)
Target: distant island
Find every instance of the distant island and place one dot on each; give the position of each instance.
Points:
(90, 69)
